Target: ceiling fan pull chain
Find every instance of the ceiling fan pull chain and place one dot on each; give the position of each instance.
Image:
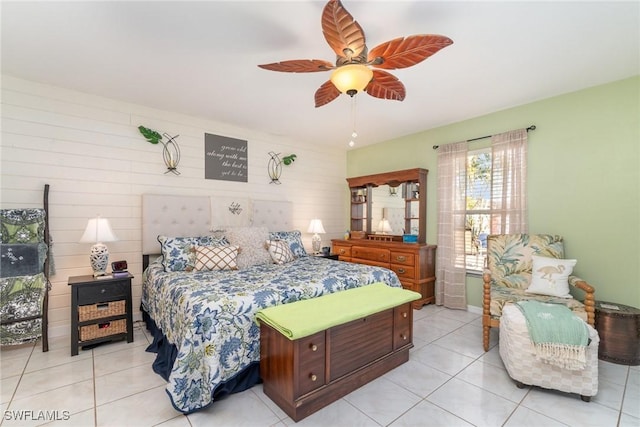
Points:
(354, 134)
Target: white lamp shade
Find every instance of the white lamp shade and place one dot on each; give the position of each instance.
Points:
(315, 226)
(352, 77)
(98, 230)
(384, 226)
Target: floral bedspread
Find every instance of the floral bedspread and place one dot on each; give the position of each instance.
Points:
(209, 316)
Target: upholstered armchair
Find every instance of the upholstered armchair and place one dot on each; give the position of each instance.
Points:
(525, 267)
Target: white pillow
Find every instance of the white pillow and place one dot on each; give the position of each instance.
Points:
(212, 258)
(251, 242)
(550, 276)
(280, 251)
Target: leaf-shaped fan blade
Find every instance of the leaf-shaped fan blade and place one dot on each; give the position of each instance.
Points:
(342, 32)
(326, 93)
(407, 51)
(386, 86)
(299, 66)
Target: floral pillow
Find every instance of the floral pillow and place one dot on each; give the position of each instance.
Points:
(250, 240)
(293, 238)
(177, 253)
(280, 251)
(212, 258)
(550, 276)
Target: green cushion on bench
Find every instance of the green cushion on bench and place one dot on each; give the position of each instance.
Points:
(303, 318)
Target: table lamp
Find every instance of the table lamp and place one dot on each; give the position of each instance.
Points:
(384, 227)
(98, 231)
(315, 226)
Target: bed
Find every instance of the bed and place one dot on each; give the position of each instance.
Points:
(203, 321)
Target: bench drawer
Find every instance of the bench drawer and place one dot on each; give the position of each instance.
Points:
(311, 362)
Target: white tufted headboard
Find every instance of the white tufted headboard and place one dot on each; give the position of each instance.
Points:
(191, 216)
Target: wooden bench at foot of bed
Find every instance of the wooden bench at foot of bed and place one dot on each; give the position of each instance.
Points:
(302, 375)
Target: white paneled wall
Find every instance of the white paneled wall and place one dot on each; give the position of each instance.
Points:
(89, 150)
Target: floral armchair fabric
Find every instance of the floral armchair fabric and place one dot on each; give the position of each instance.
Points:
(24, 282)
(509, 272)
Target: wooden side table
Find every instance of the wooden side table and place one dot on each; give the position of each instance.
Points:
(618, 326)
(100, 310)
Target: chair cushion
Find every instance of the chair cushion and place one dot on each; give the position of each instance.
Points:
(509, 256)
(500, 296)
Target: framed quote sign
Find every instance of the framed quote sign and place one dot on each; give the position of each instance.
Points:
(225, 158)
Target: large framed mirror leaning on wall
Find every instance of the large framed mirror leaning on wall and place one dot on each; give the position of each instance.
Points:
(388, 219)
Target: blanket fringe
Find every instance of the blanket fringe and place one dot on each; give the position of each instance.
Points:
(571, 357)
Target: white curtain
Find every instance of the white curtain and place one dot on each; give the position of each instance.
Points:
(509, 182)
(452, 183)
(508, 213)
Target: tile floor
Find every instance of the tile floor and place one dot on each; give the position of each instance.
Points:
(448, 381)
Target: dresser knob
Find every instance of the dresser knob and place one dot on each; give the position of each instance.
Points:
(401, 258)
(342, 251)
(314, 347)
(103, 290)
(403, 336)
(404, 314)
(401, 270)
(313, 377)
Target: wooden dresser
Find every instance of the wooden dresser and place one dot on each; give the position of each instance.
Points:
(414, 263)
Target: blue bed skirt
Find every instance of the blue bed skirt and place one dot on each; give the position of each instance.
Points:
(166, 354)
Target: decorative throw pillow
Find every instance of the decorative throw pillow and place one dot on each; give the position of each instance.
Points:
(293, 238)
(210, 258)
(280, 251)
(177, 254)
(550, 276)
(250, 240)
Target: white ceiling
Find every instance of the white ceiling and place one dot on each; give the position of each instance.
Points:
(200, 58)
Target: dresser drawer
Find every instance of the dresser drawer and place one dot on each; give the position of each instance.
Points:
(404, 272)
(311, 362)
(100, 292)
(402, 258)
(371, 254)
(342, 251)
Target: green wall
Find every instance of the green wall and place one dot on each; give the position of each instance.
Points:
(583, 178)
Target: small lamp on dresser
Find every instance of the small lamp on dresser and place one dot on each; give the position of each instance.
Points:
(98, 231)
(384, 227)
(315, 227)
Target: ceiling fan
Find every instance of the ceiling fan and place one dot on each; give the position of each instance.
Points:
(356, 68)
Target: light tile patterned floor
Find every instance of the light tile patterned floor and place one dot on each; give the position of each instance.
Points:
(448, 381)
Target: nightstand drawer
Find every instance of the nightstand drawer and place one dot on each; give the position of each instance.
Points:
(103, 329)
(111, 291)
(101, 310)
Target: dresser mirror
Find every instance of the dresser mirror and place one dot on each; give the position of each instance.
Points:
(389, 203)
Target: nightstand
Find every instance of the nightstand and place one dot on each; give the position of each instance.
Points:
(100, 310)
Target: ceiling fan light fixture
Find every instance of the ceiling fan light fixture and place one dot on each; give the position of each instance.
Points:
(351, 78)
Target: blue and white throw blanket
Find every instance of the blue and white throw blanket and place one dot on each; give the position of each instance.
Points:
(209, 316)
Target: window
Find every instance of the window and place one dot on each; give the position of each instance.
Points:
(478, 208)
